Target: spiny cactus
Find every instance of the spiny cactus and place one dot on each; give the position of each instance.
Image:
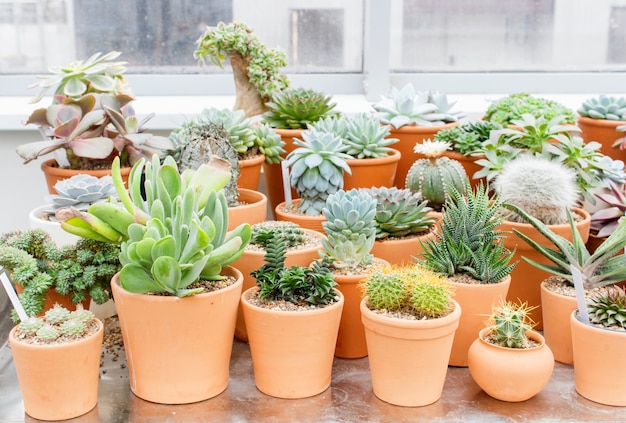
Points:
(400, 212)
(317, 167)
(604, 107)
(434, 175)
(80, 191)
(430, 294)
(292, 234)
(350, 229)
(295, 108)
(543, 188)
(608, 308)
(509, 323)
(385, 289)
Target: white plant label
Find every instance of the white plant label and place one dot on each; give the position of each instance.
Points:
(580, 294)
(8, 287)
(286, 185)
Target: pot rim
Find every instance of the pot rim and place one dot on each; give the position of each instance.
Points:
(50, 347)
(282, 313)
(531, 333)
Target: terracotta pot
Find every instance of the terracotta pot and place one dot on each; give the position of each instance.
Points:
(54, 174)
(556, 323)
(594, 242)
(510, 374)
(54, 229)
(599, 363)
(375, 172)
(252, 260)
(469, 164)
(250, 172)
(58, 382)
(292, 352)
(401, 250)
(253, 210)
(53, 297)
(302, 220)
(602, 131)
(525, 278)
(408, 358)
(409, 136)
(178, 349)
(477, 302)
(273, 173)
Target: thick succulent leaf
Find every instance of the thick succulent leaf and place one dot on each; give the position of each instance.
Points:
(94, 148)
(32, 150)
(74, 87)
(136, 279)
(167, 273)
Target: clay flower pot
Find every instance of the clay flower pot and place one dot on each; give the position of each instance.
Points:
(252, 210)
(302, 220)
(510, 374)
(54, 173)
(372, 172)
(250, 172)
(401, 250)
(292, 351)
(58, 382)
(408, 358)
(556, 323)
(604, 132)
(273, 173)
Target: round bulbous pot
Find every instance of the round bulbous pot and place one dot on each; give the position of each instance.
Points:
(178, 349)
(510, 374)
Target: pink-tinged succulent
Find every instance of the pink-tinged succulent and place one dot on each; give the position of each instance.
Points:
(604, 221)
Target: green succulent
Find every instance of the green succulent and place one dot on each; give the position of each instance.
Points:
(400, 212)
(509, 108)
(57, 322)
(608, 308)
(48, 333)
(299, 285)
(57, 314)
(604, 107)
(335, 124)
(350, 229)
(239, 128)
(80, 191)
(409, 107)
(292, 234)
(367, 138)
(295, 108)
(30, 325)
(317, 166)
(269, 142)
(509, 323)
(468, 137)
(72, 327)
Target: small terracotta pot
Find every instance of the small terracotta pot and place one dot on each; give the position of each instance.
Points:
(469, 164)
(408, 358)
(178, 349)
(510, 374)
(54, 173)
(599, 363)
(401, 250)
(409, 136)
(604, 132)
(58, 382)
(477, 302)
(302, 220)
(53, 297)
(252, 260)
(292, 352)
(253, 210)
(557, 331)
(250, 172)
(374, 172)
(273, 173)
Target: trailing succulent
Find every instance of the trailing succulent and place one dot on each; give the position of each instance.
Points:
(317, 166)
(296, 108)
(37, 264)
(468, 241)
(509, 108)
(418, 291)
(58, 323)
(299, 285)
(350, 229)
(400, 212)
(435, 175)
(509, 323)
(604, 107)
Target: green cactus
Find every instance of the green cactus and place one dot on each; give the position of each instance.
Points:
(295, 108)
(608, 308)
(72, 327)
(385, 289)
(57, 314)
(509, 323)
(47, 333)
(434, 175)
(350, 229)
(292, 234)
(30, 326)
(604, 107)
(400, 212)
(430, 294)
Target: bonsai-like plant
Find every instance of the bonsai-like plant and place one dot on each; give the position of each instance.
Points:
(468, 243)
(512, 107)
(468, 137)
(296, 108)
(296, 284)
(256, 68)
(409, 107)
(413, 290)
(57, 326)
(317, 166)
(399, 212)
(436, 174)
(350, 229)
(37, 264)
(508, 325)
(604, 107)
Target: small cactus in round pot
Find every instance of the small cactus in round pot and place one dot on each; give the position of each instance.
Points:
(434, 175)
(509, 323)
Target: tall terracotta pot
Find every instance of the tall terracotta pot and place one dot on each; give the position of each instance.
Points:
(477, 301)
(292, 351)
(58, 382)
(556, 323)
(302, 220)
(604, 132)
(53, 297)
(252, 260)
(273, 173)
(252, 210)
(372, 172)
(53, 173)
(408, 358)
(409, 136)
(510, 374)
(599, 364)
(525, 278)
(401, 250)
(250, 172)
(178, 349)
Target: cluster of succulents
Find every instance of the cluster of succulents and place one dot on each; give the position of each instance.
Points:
(406, 106)
(608, 308)
(509, 323)
(400, 212)
(81, 191)
(511, 107)
(350, 229)
(296, 108)
(435, 175)
(468, 137)
(57, 322)
(269, 142)
(604, 107)
(413, 289)
(291, 233)
(605, 219)
(299, 285)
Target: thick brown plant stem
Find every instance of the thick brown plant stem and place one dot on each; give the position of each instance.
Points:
(247, 97)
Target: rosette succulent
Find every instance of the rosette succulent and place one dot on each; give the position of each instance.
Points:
(604, 107)
(81, 191)
(295, 108)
